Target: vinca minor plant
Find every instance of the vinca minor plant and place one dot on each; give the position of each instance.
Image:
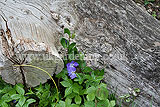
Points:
(78, 85)
(82, 84)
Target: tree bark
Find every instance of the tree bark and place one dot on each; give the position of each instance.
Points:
(124, 38)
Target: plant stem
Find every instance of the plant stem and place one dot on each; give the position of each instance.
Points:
(95, 102)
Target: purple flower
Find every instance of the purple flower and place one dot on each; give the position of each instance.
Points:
(14, 101)
(72, 75)
(66, 41)
(71, 68)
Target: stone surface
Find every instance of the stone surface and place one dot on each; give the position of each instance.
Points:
(121, 34)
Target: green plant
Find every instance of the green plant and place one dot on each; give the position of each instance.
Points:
(15, 94)
(146, 2)
(45, 94)
(151, 102)
(130, 98)
(154, 14)
(85, 88)
(79, 85)
(20, 97)
(5, 92)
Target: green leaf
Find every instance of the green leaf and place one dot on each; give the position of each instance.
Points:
(128, 100)
(91, 89)
(11, 92)
(112, 103)
(91, 96)
(103, 85)
(103, 103)
(66, 30)
(146, 2)
(78, 99)
(47, 86)
(82, 64)
(89, 104)
(46, 94)
(15, 96)
(72, 95)
(20, 90)
(65, 59)
(28, 102)
(71, 46)
(154, 14)
(87, 69)
(73, 35)
(5, 96)
(137, 90)
(79, 78)
(102, 93)
(6, 89)
(68, 91)
(19, 84)
(69, 81)
(22, 101)
(74, 105)
(39, 88)
(88, 77)
(61, 104)
(93, 76)
(75, 50)
(76, 88)
(68, 101)
(99, 73)
(81, 56)
(99, 78)
(82, 92)
(62, 74)
(30, 92)
(64, 43)
(65, 84)
(1, 91)
(53, 105)
(4, 104)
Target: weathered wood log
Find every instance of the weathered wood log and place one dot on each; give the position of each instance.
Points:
(124, 37)
(127, 40)
(19, 47)
(30, 53)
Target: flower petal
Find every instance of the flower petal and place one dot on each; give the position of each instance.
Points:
(71, 69)
(76, 64)
(72, 62)
(68, 65)
(73, 76)
(69, 73)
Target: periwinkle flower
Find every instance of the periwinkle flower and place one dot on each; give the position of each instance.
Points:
(66, 41)
(71, 68)
(72, 74)
(14, 101)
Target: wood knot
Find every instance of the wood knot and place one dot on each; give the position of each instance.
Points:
(8, 32)
(55, 16)
(1, 32)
